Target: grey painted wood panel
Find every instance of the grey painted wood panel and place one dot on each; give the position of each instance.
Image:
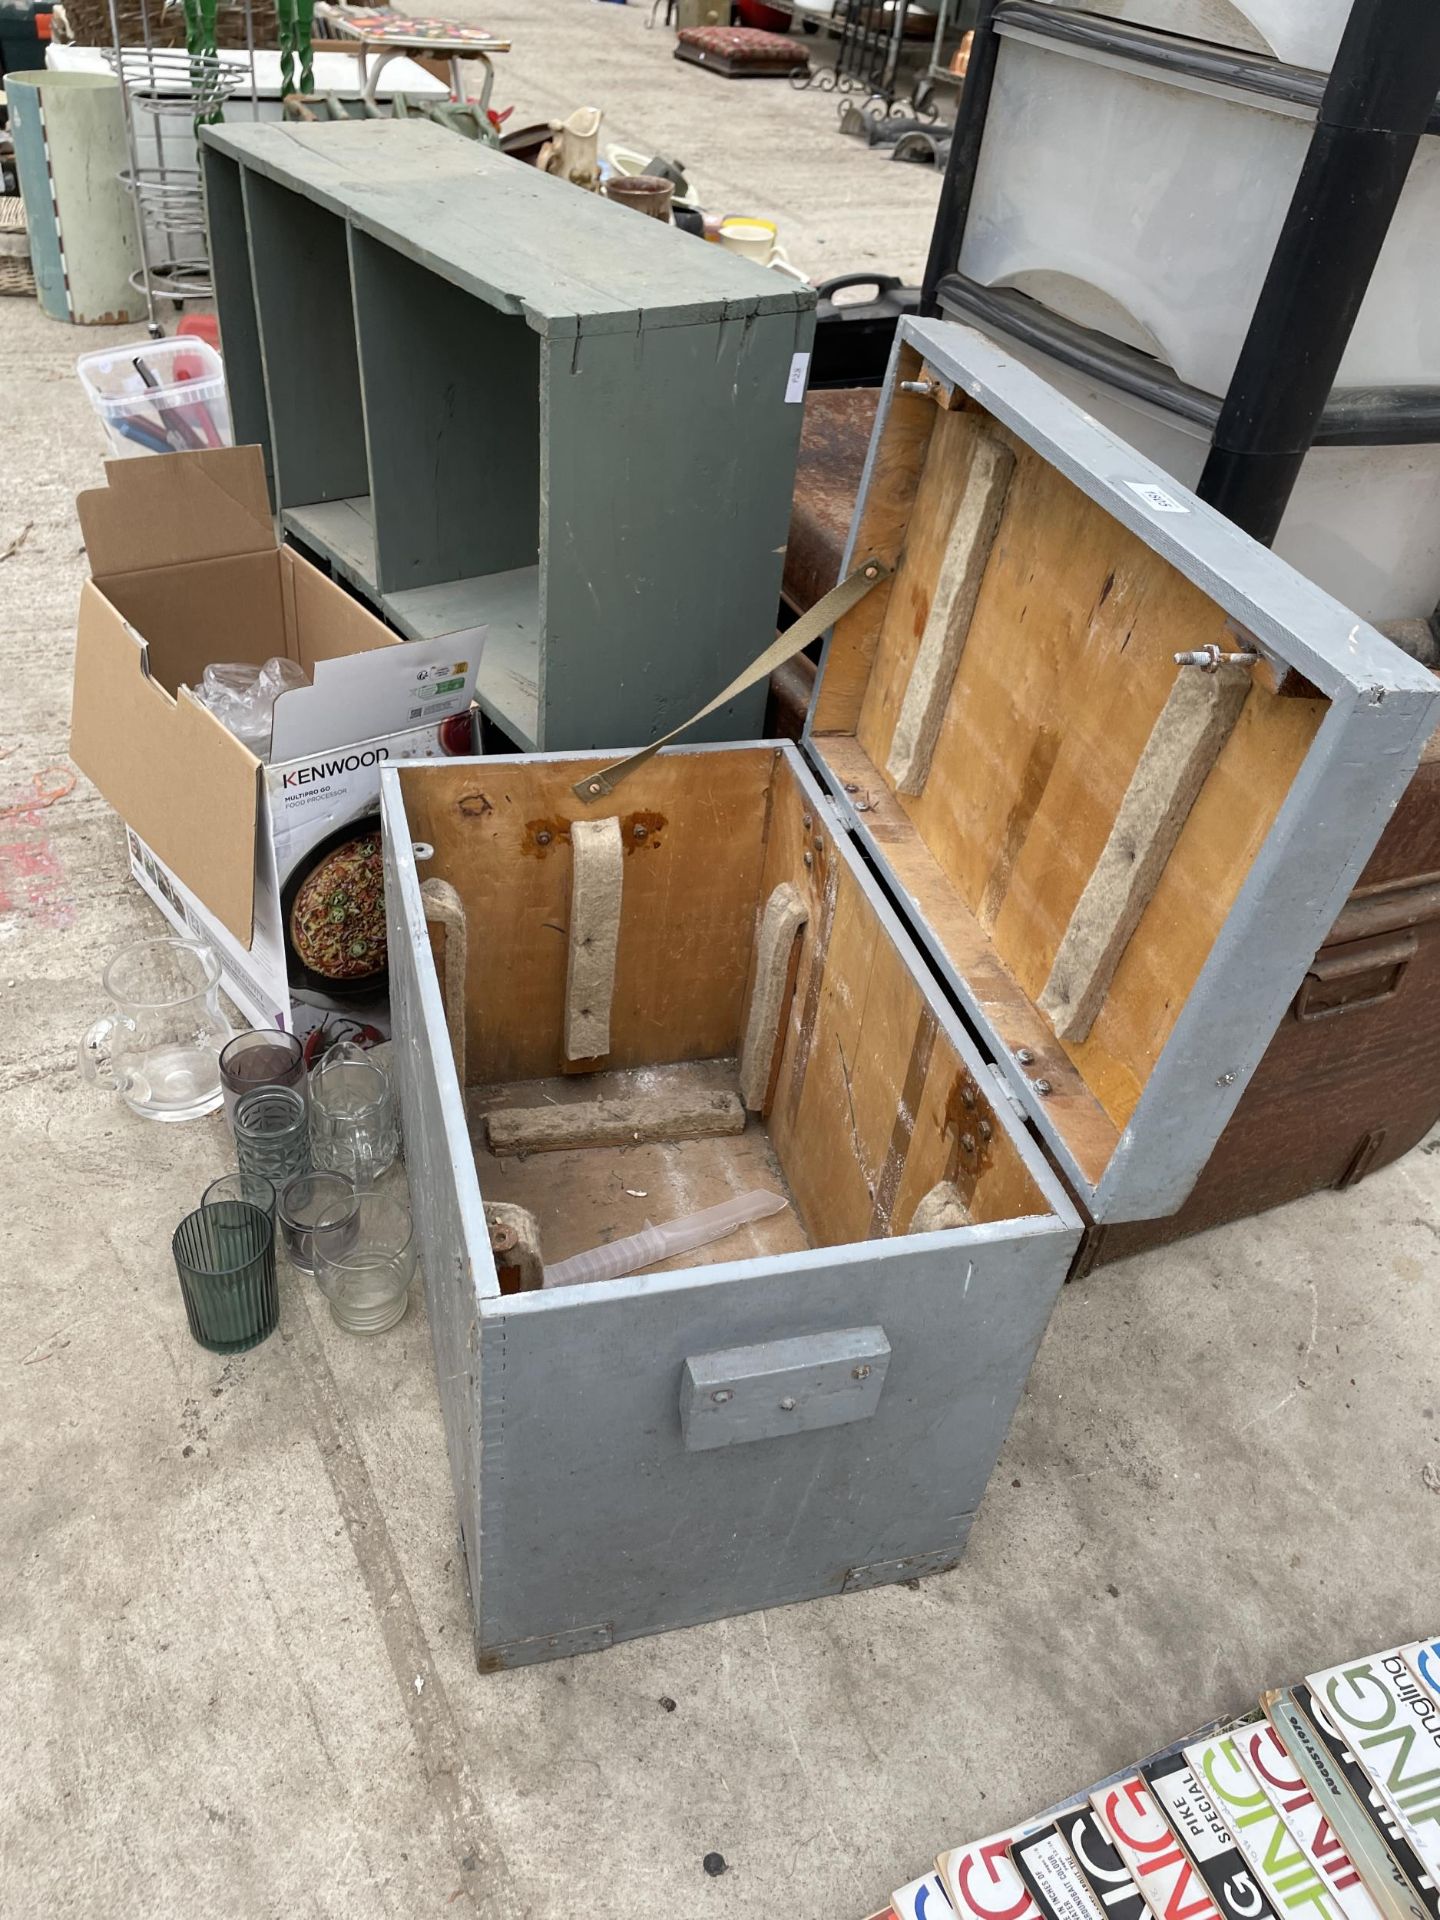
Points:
(465, 211)
(667, 467)
(598, 1517)
(449, 1220)
(235, 296)
(301, 273)
(452, 424)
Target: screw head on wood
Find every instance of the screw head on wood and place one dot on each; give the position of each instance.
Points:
(1024, 1056)
(986, 1130)
(809, 859)
(544, 837)
(808, 822)
(1042, 1087)
(967, 1143)
(851, 786)
(967, 1096)
(639, 830)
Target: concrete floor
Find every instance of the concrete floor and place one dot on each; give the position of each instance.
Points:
(748, 146)
(233, 1637)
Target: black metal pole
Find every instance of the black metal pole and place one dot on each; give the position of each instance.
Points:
(959, 182)
(1380, 95)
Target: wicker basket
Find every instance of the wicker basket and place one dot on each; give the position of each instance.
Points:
(90, 24)
(16, 275)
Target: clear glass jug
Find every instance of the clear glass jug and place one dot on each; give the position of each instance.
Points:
(353, 1126)
(160, 1047)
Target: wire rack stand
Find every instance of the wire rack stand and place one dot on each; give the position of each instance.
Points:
(168, 94)
(870, 42)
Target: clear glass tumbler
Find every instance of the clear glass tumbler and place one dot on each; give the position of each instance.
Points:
(251, 1189)
(272, 1134)
(225, 1257)
(306, 1201)
(353, 1127)
(263, 1057)
(364, 1263)
(159, 1046)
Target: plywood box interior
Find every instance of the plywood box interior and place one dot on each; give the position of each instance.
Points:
(868, 1101)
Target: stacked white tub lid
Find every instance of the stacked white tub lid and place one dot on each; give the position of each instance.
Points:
(1145, 204)
(1303, 33)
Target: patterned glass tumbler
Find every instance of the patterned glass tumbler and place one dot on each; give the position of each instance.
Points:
(272, 1134)
(225, 1257)
(353, 1127)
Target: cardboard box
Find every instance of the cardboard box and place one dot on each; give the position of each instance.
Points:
(309, 806)
(186, 571)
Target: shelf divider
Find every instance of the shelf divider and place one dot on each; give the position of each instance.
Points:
(235, 294)
(301, 271)
(452, 423)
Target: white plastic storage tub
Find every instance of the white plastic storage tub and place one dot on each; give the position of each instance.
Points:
(159, 396)
(1148, 209)
(1304, 33)
(1363, 522)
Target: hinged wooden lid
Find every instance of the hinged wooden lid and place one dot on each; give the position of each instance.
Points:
(1122, 865)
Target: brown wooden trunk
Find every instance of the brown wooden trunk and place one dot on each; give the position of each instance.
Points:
(833, 441)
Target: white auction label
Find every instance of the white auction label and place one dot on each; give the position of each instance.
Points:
(1156, 497)
(799, 374)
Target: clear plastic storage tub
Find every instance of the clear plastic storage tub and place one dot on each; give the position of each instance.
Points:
(1363, 522)
(159, 396)
(1148, 209)
(1304, 33)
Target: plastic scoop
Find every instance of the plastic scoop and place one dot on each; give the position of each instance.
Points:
(643, 1249)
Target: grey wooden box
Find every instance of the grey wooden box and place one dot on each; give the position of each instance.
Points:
(489, 399)
(593, 1505)
(603, 1489)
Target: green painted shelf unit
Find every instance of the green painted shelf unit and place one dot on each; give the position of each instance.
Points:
(486, 398)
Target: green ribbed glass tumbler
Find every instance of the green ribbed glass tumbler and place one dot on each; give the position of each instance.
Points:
(225, 1257)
